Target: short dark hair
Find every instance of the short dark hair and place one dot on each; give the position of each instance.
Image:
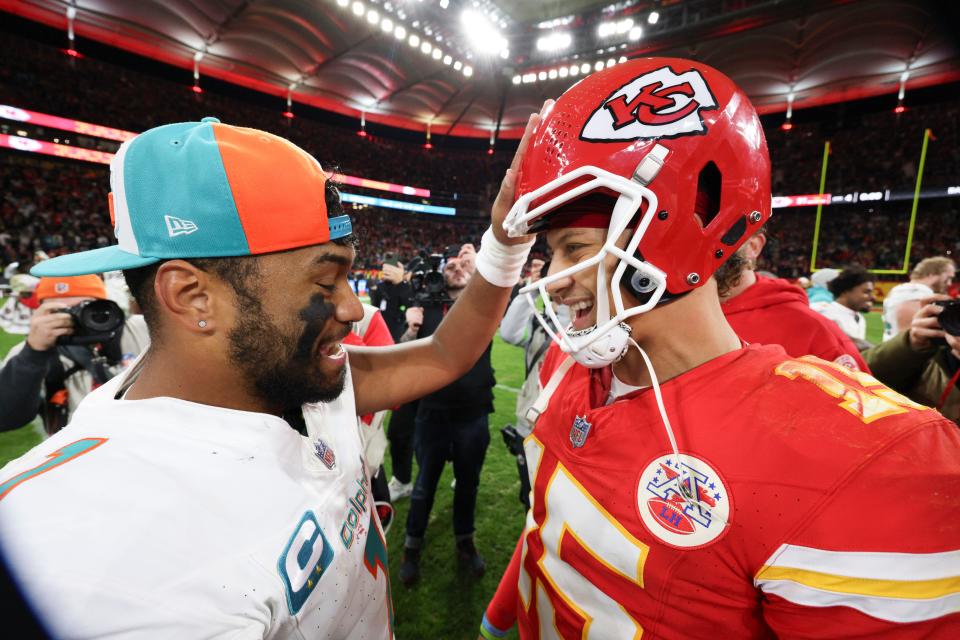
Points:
(234, 270)
(849, 278)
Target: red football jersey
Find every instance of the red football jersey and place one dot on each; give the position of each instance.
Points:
(773, 311)
(827, 506)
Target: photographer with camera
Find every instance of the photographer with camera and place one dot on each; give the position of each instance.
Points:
(78, 340)
(391, 294)
(451, 423)
(923, 362)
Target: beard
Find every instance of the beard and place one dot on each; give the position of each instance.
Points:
(282, 367)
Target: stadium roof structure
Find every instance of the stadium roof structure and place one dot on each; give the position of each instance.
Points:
(361, 56)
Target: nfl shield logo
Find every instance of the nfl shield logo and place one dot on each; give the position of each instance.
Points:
(325, 453)
(579, 431)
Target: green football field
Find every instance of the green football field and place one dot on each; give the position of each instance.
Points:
(446, 603)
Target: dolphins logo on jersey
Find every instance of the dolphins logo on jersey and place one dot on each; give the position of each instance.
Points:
(670, 517)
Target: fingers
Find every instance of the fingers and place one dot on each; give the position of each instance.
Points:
(532, 123)
(48, 307)
(46, 327)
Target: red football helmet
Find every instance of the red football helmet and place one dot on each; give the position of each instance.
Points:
(681, 149)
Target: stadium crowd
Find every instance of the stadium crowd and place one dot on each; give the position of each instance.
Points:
(874, 151)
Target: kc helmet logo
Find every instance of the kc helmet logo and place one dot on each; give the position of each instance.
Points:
(658, 104)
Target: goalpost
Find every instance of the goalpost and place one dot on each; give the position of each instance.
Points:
(927, 134)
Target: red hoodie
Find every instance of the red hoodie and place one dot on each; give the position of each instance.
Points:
(773, 311)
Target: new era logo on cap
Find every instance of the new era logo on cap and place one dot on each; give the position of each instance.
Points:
(179, 226)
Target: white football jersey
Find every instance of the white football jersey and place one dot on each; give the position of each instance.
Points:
(897, 296)
(851, 322)
(163, 518)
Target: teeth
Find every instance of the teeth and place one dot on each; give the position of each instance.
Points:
(579, 306)
(335, 351)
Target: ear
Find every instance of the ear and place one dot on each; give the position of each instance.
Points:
(754, 246)
(190, 297)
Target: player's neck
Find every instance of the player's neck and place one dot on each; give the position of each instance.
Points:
(678, 337)
(748, 278)
(198, 377)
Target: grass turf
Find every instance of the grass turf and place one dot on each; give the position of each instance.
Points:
(446, 603)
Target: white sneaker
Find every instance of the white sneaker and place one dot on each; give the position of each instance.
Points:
(399, 489)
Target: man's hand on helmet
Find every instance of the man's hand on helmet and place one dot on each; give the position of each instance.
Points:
(506, 196)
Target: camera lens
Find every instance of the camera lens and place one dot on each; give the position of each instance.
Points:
(949, 318)
(101, 316)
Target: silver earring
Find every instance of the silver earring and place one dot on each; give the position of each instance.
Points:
(202, 324)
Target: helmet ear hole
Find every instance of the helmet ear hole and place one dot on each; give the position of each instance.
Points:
(709, 185)
(642, 283)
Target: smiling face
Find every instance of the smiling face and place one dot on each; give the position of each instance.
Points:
(571, 246)
(290, 315)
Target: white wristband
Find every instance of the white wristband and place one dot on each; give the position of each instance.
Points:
(501, 264)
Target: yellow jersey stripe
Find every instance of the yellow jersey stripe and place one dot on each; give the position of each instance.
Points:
(902, 589)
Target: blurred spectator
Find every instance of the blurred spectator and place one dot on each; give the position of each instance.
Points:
(930, 276)
(819, 280)
(852, 291)
(49, 373)
(922, 362)
(452, 423)
(391, 295)
(520, 327)
(766, 310)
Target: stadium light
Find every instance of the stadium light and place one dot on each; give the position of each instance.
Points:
(458, 65)
(483, 36)
(373, 17)
(635, 34)
(343, 3)
(556, 41)
(359, 9)
(468, 71)
(400, 33)
(71, 48)
(653, 17)
(517, 79)
(618, 28)
(787, 125)
(447, 60)
(437, 54)
(414, 40)
(386, 25)
(426, 47)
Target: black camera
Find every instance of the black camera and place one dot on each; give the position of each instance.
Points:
(949, 318)
(94, 321)
(427, 281)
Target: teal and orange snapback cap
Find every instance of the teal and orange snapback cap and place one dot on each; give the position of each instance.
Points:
(205, 190)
